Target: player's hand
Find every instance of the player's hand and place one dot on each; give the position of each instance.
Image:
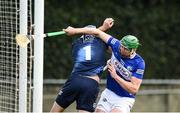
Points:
(70, 31)
(112, 70)
(108, 23)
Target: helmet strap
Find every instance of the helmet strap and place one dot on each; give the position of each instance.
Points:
(132, 51)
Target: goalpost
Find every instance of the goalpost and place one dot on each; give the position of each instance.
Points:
(18, 92)
(38, 53)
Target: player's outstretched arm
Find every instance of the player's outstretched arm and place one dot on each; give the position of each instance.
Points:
(107, 24)
(91, 31)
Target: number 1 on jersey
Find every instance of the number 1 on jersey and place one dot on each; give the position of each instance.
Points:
(88, 52)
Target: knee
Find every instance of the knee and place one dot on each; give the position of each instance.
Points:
(99, 110)
(116, 110)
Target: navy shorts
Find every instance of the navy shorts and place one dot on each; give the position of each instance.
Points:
(81, 89)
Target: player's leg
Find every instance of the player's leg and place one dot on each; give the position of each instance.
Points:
(83, 111)
(122, 105)
(66, 96)
(87, 95)
(116, 110)
(99, 109)
(104, 104)
(56, 108)
(122, 108)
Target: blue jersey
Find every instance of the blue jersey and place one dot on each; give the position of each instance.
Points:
(125, 68)
(88, 55)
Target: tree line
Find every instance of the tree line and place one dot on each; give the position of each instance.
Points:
(155, 22)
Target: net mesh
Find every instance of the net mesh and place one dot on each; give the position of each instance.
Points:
(9, 56)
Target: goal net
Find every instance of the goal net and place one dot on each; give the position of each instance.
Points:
(10, 56)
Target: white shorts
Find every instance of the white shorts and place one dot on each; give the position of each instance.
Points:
(109, 100)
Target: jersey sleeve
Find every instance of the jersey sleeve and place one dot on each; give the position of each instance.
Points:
(139, 72)
(114, 43)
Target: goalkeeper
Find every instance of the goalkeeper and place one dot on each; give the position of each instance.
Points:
(83, 85)
(125, 71)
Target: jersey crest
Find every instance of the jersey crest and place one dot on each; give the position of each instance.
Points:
(119, 66)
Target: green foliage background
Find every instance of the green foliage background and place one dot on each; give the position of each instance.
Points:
(155, 22)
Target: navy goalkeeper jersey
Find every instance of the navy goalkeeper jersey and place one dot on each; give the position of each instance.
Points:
(88, 55)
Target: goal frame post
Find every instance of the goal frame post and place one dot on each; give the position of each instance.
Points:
(23, 58)
(38, 56)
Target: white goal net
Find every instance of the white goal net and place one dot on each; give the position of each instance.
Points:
(9, 56)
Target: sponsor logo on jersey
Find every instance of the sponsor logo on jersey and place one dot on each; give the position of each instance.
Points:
(113, 41)
(121, 69)
(129, 68)
(122, 62)
(140, 71)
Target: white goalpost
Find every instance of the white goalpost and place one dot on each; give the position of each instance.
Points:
(38, 53)
(21, 69)
(23, 58)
